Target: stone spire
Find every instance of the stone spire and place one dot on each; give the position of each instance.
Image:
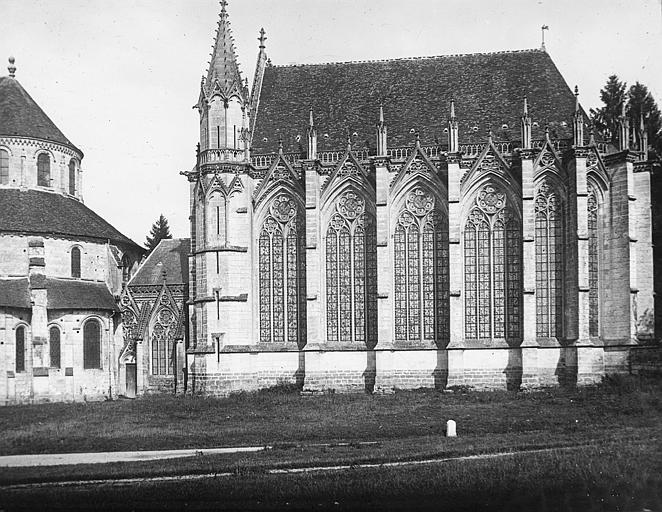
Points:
(578, 121)
(381, 133)
(526, 126)
(453, 131)
(312, 138)
(223, 75)
(623, 130)
(257, 79)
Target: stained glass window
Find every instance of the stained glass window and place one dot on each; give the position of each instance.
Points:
(20, 349)
(44, 170)
(75, 262)
(549, 262)
(351, 272)
(92, 345)
(421, 270)
(4, 167)
(163, 332)
(492, 268)
(72, 177)
(281, 274)
(54, 346)
(593, 264)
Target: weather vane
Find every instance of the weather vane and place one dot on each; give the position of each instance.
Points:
(542, 30)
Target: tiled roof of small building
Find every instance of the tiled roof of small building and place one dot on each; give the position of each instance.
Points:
(488, 90)
(20, 116)
(62, 294)
(48, 213)
(171, 256)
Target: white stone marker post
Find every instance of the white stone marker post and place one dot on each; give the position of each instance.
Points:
(450, 429)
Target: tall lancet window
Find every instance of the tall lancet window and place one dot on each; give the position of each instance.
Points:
(281, 270)
(593, 264)
(421, 270)
(216, 219)
(44, 170)
(351, 272)
(492, 268)
(549, 262)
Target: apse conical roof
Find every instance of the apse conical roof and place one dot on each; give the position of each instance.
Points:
(20, 116)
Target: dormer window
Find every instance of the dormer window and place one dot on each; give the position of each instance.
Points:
(72, 176)
(75, 262)
(44, 170)
(4, 167)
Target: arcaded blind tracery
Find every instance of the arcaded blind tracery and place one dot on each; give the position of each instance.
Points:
(493, 268)
(593, 264)
(281, 270)
(421, 270)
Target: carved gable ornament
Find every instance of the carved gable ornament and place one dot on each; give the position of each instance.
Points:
(348, 168)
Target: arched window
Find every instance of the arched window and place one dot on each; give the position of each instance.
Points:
(421, 270)
(4, 167)
(282, 273)
(92, 345)
(44, 170)
(72, 176)
(20, 349)
(593, 264)
(54, 344)
(216, 223)
(163, 333)
(492, 268)
(549, 262)
(351, 272)
(75, 262)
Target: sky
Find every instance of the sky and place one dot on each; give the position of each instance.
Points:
(120, 77)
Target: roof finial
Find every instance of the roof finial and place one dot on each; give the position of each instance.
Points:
(576, 99)
(280, 144)
(381, 113)
(349, 140)
(542, 30)
(642, 127)
(311, 122)
(452, 108)
(489, 135)
(224, 4)
(262, 38)
(547, 132)
(11, 67)
(418, 138)
(623, 108)
(526, 107)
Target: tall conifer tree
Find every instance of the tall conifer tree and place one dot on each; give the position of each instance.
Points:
(160, 231)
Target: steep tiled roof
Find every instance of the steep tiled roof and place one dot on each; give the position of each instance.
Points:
(488, 90)
(14, 293)
(39, 212)
(21, 116)
(170, 255)
(62, 294)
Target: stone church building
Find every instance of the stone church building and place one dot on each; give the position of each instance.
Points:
(434, 221)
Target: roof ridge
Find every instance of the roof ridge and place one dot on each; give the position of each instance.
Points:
(426, 57)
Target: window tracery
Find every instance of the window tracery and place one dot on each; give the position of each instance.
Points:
(281, 272)
(351, 271)
(421, 270)
(163, 333)
(593, 263)
(54, 346)
(492, 268)
(549, 243)
(20, 349)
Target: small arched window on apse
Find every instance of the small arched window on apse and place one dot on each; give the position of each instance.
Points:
(72, 176)
(75, 262)
(20, 349)
(44, 170)
(54, 345)
(4, 167)
(217, 221)
(92, 345)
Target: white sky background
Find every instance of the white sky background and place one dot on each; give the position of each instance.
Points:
(119, 77)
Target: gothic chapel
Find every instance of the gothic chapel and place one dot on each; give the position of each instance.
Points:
(423, 222)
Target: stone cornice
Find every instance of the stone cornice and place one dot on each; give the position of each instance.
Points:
(41, 144)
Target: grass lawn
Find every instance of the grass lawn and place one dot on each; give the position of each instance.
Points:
(618, 424)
